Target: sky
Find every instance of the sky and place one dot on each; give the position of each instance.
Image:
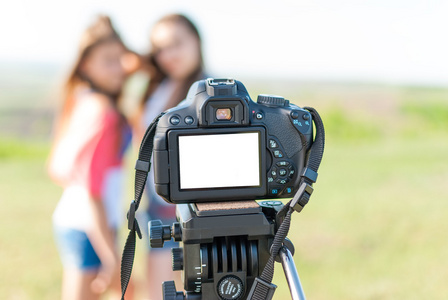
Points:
(390, 41)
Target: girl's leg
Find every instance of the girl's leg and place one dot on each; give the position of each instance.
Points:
(76, 285)
(159, 270)
(115, 289)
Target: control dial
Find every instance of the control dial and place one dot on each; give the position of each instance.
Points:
(272, 100)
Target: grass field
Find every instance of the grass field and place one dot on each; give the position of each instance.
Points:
(376, 226)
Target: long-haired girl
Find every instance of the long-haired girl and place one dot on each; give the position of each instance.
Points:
(91, 135)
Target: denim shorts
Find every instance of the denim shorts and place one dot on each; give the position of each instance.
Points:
(76, 250)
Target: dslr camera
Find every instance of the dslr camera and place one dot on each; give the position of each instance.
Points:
(219, 145)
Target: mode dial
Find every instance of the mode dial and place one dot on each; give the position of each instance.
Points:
(272, 100)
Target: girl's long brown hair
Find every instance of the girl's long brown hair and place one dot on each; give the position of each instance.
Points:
(157, 75)
(101, 31)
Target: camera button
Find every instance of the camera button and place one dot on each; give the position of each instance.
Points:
(294, 114)
(306, 117)
(189, 120)
(282, 172)
(288, 190)
(278, 153)
(273, 143)
(259, 116)
(274, 191)
(282, 180)
(274, 173)
(292, 171)
(175, 120)
(282, 163)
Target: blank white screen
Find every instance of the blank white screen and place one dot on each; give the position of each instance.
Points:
(219, 160)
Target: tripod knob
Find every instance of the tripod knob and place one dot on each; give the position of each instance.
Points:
(230, 287)
(170, 292)
(177, 232)
(158, 233)
(177, 255)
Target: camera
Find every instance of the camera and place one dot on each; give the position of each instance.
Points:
(219, 145)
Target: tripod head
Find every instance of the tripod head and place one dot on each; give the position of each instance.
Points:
(224, 246)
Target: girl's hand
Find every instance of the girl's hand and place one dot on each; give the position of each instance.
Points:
(105, 277)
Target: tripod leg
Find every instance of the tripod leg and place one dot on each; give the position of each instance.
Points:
(295, 287)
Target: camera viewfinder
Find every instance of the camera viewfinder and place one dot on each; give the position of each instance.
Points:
(223, 114)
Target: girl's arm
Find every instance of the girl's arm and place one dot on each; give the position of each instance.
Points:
(102, 158)
(103, 241)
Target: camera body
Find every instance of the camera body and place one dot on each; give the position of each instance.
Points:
(219, 145)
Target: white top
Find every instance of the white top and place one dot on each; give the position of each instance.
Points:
(74, 211)
(158, 101)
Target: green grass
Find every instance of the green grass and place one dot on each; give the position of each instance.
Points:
(29, 262)
(375, 227)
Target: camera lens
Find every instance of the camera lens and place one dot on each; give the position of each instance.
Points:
(223, 114)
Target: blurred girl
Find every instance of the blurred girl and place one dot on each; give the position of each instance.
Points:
(174, 63)
(86, 159)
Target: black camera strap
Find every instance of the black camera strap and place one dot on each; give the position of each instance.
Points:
(142, 167)
(263, 289)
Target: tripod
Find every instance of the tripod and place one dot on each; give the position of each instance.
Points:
(292, 277)
(225, 246)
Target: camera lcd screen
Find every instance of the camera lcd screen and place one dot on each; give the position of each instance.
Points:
(219, 160)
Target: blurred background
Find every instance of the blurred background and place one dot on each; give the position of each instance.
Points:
(375, 70)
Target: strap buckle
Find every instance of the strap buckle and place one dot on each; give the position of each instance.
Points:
(142, 165)
(264, 287)
(302, 197)
(310, 174)
(132, 221)
(131, 215)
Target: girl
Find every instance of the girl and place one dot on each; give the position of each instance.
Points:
(86, 159)
(174, 63)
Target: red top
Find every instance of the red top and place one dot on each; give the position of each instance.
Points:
(90, 146)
